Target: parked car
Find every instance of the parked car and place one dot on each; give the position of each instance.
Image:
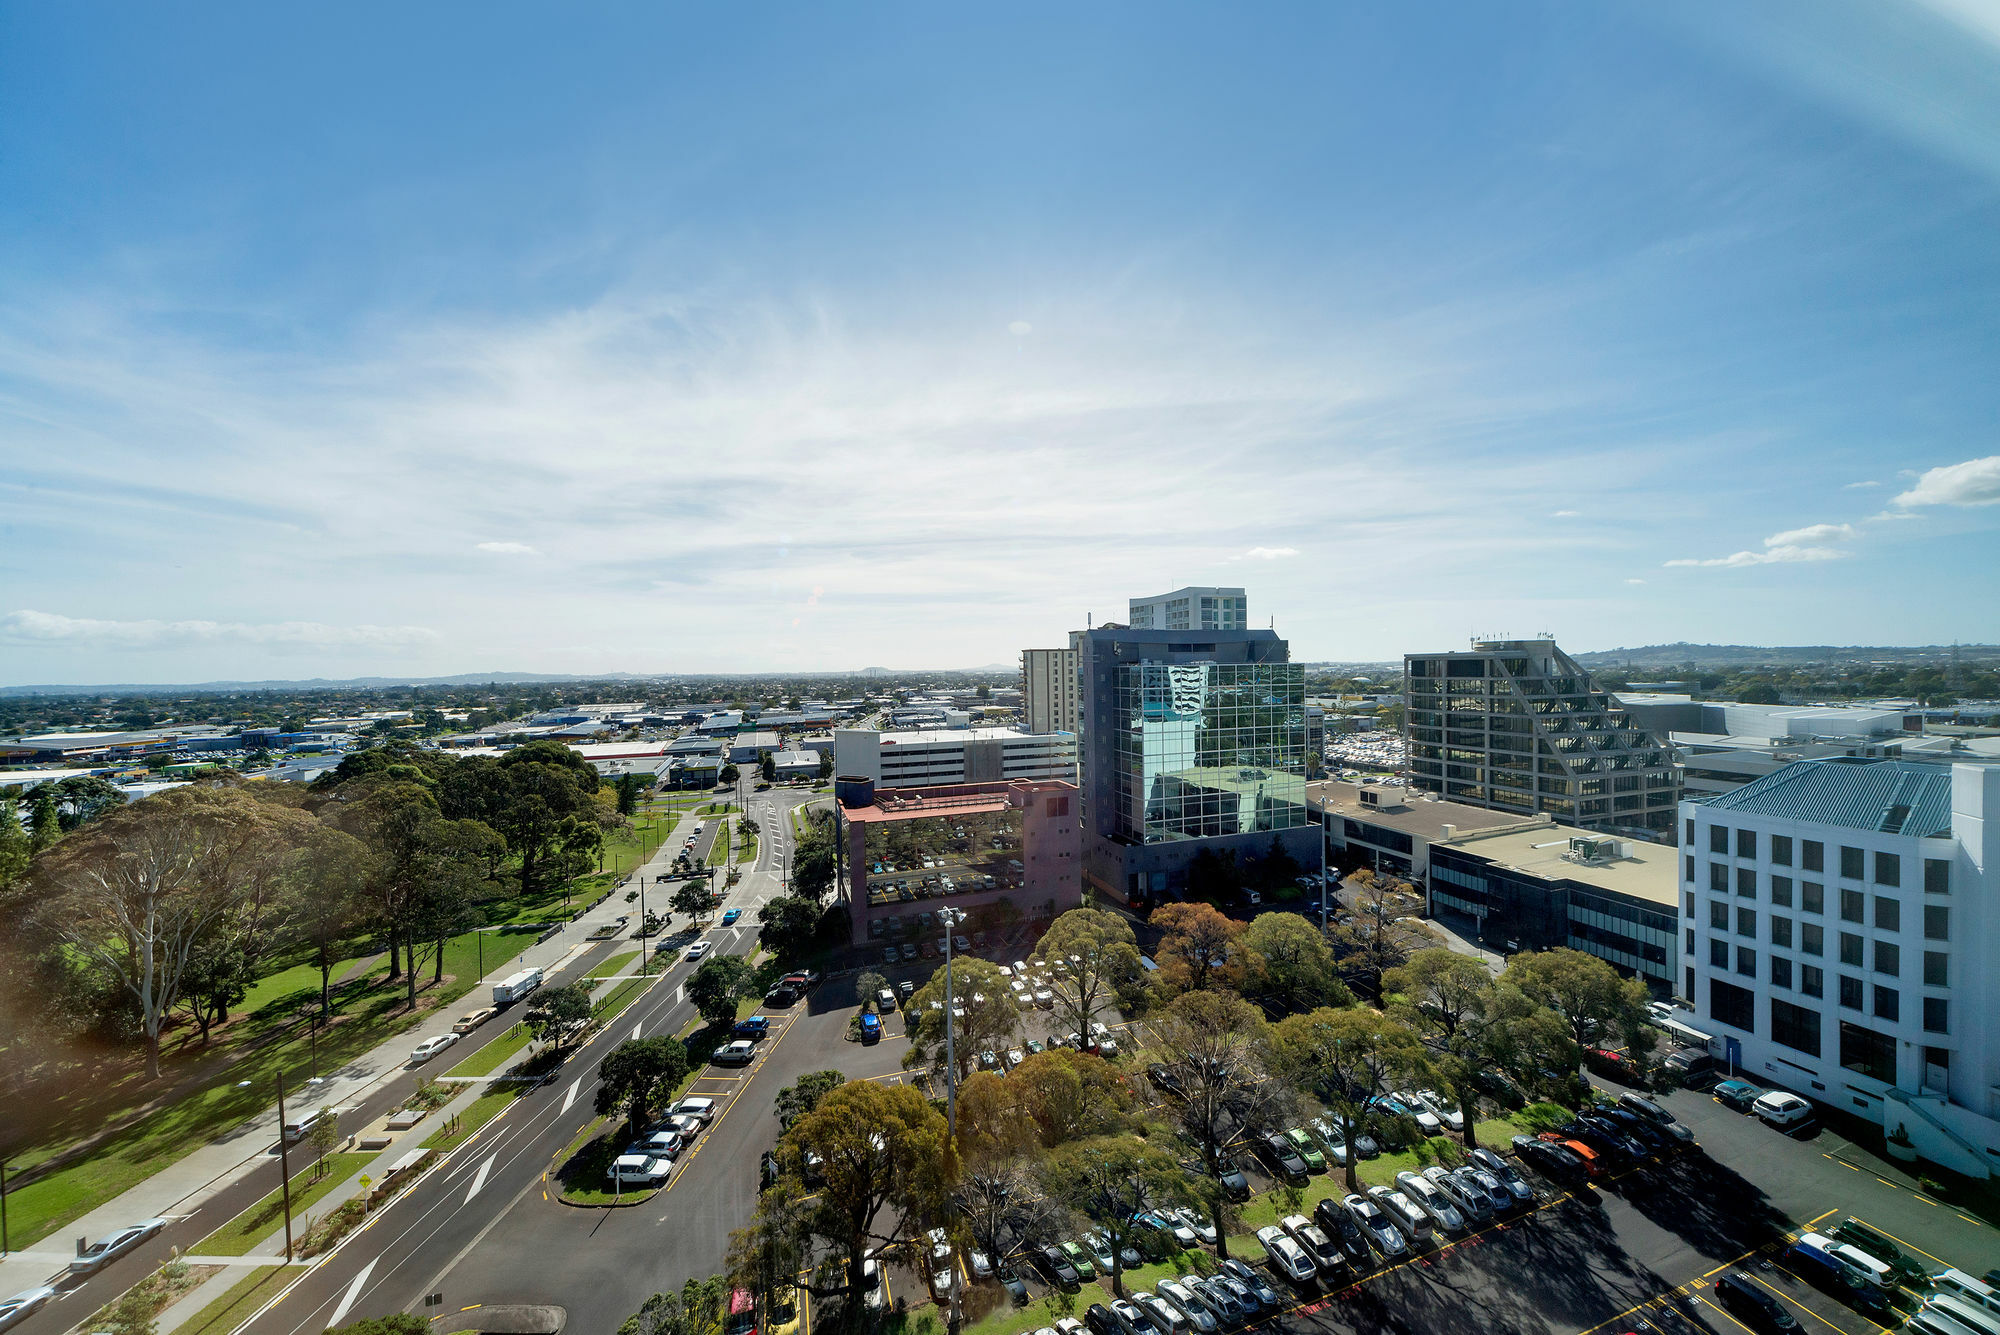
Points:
(1193, 1304)
(660, 1145)
(1055, 1267)
(1475, 1183)
(1253, 1283)
(1337, 1224)
(1447, 1111)
(752, 1027)
(1287, 1257)
(24, 1305)
(1166, 1316)
(701, 1108)
(1746, 1300)
(1232, 1308)
(1641, 1106)
(1278, 1155)
(1097, 1319)
(1612, 1146)
(1610, 1062)
(736, 1052)
(1202, 1226)
(1132, 1320)
(1325, 1253)
(1408, 1215)
(1781, 1110)
(1433, 1200)
(1235, 1184)
(1653, 1139)
(1098, 1243)
(1905, 1268)
(628, 1171)
(1377, 1227)
(1303, 1146)
(1010, 1280)
(1506, 1174)
(871, 1027)
(114, 1245)
(1737, 1094)
(1079, 1261)
(1591, 1162)
(1552, 1159)
(431, 1047)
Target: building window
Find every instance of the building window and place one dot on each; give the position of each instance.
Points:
(1888, 1003)
(1812, 897)
(1746, 923)
(1746, 961)
(1888, 958)
(1689, 840)
(1690, 869)
(1812, 938)
(1937, 1013)
(1746, 843)
(1850, 993)
(1718, 878)
(1718, 840)
(1937, 969)
(1812, 980)
(1868, 1053)
(1781, 971)
(1689, 911)
(1937, 876)
(1732, 1005)
(1814, 855)
(1795, 1026)
(1937, 922)
(1852, 904)
(1888, 869)
(1781, 850)
(1689, 947)
(1718, 914)
(1851, 863)
(1850, 949)
(1888, 914)
(1781, 891)
(1746, 882)
(1781, 931)
(1718, 954)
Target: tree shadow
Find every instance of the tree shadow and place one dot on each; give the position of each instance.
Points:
(1707, 1205)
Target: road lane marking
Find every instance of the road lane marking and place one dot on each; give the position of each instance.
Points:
(479, 1178)
(635, 1033)
(570, 1097)
(353, 1292)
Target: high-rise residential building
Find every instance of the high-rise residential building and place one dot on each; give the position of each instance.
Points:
(1188, 740)
(1048, 689)
(1192, 608)
(1516, 725)
(1841, 924)
(952, 755)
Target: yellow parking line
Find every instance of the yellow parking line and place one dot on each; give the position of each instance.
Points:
(1899, 1242)
(1807, 1310)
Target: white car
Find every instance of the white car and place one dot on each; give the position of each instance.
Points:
(739, 1052)
(1404, 1211)
(638, 1170)
(1192, 1303)
(943, 1273)
(1286, 1255)
(697, 950)
(657, 1145)
(1447, 1111)
(24, 1305)
(701, 1109)
(430, 1048)
(1433, 1201)
(114, 1245)
(1778, 1108)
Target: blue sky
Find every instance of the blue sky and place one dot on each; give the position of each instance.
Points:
(430, 339)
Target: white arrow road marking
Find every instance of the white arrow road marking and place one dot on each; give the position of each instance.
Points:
(479, 1178)
(353, 1292)
(570, 1096)
(635, 1032)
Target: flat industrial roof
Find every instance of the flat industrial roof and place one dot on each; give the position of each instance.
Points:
(1651, 872)
(1419, 813)
(947, 736)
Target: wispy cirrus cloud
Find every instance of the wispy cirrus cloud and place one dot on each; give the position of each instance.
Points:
(509, 549)
(28, 626)
(1268, 554)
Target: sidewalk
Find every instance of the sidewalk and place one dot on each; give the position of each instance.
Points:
(180, 1189)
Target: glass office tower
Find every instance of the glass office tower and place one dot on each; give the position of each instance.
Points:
(1207, 749)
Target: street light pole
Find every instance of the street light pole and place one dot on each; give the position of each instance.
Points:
(950, 918)
(5, 1245)
(285, 1166)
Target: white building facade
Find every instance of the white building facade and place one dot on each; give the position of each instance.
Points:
(1842, 925)
(1196, 607)
(1048, 690)
(952, 755)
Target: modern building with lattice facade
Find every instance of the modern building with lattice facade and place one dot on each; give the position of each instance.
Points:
(1517, 725)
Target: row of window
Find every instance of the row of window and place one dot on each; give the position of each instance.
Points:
(1854, 906)
(1855, 993)
(1812, 857)
(1811, 940)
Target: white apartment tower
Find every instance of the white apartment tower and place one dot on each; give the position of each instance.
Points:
(1048, 690)
(1842, 927)
(1192, 608)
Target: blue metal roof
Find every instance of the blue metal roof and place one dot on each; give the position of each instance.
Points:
(1887, 796)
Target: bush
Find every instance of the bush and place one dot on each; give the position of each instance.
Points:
(333, 1228)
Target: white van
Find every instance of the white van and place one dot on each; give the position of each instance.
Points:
(1858, 1266)
(1962, 1311)
(1961, 1285)
(1929, 1321)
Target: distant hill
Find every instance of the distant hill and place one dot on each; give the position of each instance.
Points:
(1754, 655)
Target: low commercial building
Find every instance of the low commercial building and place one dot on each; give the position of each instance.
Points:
(796, 764)
(1390, 828)
(748, 747)
(1841, 931)
(728, 721)
(1000, 851)
(1722, 745)
(952, 755)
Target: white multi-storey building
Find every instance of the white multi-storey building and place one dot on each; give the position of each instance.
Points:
(1196, 607)
(1842, 925)
(1048, 689)
(952, 755)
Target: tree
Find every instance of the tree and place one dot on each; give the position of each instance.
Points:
(768, 767)
(866, 986)
(628, 793)
(696, 1310)
(391, 814)
(693, 898)
(137, 890)
(1006, 1209)
(788, 925)
(554, 1009)
(541, 785)
(728, 775)
(325, 1134)
(331, 871)
(825, 765)
(1366, 944)
(1279, 868)
(15, 846)
(635, 1073)
(448, 873)
(1345, 1058)
(1213, 877)
(1213, 1045)
(1111, 1180)
(814, 860)
(876, 1148)
(1292, 963)
(216, 980)
(82, 797)
(1099, 957)
(717, 984)
(1587, 993)
(1448, 1000)
(44, 818)
(1063, 1095)
(803, 1095)
(989, 1017)
(1198, 950)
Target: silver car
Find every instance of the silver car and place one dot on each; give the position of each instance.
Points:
(114, 1245)
(24, 1305)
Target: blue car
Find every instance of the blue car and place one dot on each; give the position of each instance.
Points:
(752, 1027)
(1737, 1094)
(729, 918)
(871, 1028)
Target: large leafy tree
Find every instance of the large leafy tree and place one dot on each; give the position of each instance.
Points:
(553, 1010)
(634, 1074)
(1292, 964)
(331, 871)
(541, 786)
(1099, 958)
(804, 1094)
(1062, 1095)
(989, 1017)
(788, 925)
(15, 845)
(1111, 1180)
(82, 797)
(1366, 943)
(717, 984)
(696, 1310)
(1449, 1001)
(1345, 1058)
(1198, 950)
(1587, 993)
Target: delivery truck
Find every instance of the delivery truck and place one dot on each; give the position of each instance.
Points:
(515, 986)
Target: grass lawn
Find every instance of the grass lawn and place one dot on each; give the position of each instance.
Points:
(746, 844)
(464, 954)
(477, 1114)
(613, 965)
(621, 996)
(587, 1160)
(718, 852)
(496, 1054)
(266, 1217)
(257, 1287)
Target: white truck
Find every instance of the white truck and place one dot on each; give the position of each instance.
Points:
(515, 986)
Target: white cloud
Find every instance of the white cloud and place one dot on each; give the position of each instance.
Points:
(1268, 553)
(32, 627)
(1810, 535)
(1793, 546)
(509, 549)
(1974, 482)
(1020, 327)
(1565, 514)
(1860, 486)
(1635, 581)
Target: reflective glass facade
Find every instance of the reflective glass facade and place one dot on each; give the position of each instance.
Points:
(1206, 749)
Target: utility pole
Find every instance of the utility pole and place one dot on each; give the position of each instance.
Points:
(5, 1246)
(950, 917)
(643, 938)
(285, 1166)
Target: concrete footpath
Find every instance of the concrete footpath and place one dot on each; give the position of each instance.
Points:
(178, 1190)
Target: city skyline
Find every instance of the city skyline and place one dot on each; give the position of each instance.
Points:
(698, 343)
